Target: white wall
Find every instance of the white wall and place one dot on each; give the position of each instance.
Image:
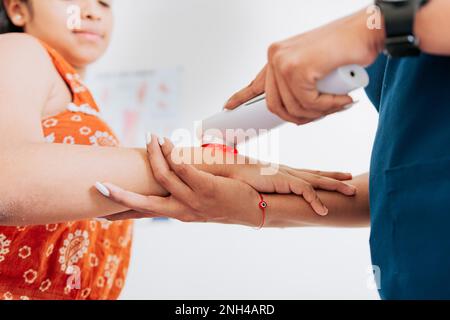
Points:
(221, 44)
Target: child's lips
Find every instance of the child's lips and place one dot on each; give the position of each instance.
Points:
(89, 35)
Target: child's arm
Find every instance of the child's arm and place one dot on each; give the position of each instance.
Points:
(291, 211)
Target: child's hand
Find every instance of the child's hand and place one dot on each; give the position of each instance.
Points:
(300, 182)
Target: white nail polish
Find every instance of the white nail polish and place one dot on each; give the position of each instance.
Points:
(149, 138)
(102, 189)
(161, 141)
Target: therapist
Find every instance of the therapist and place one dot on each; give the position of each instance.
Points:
(410, 170)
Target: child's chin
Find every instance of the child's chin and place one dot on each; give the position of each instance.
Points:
(84, 57)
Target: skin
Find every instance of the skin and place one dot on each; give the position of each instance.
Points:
(60, 179)
(197, 196)
(289, 80)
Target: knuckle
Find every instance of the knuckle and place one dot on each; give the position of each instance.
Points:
(210, 189)
(309, 188)
(308, 105)
(309, 74)
(274, 48)
(181, 169)
(253, 88)
(287, 68)
(162, 177)
(167, 152)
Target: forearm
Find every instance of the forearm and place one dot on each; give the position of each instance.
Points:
(431, 27)
(50, 183)
(344, 211)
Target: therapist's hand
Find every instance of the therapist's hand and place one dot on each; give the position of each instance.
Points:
(295, 65)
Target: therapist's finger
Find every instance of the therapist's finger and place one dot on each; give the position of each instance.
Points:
(254, 89)
(274, 102)
(196, 179)
(151, 206)
(171, 208)
(313, 100)
(129, 215)
(163, 174)
(291, 104)
(134, 201)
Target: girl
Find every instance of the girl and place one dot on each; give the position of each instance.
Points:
(55, 147)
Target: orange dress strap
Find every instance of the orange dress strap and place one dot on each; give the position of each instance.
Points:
(81, 95)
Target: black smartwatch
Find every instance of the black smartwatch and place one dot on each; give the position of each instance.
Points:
(399, 16)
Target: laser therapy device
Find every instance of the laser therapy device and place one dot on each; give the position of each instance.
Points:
(232, 127)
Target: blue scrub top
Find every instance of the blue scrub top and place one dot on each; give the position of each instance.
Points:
(410, 177)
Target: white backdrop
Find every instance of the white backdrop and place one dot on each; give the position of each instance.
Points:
(221, 45)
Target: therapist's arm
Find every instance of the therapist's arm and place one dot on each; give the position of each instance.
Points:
(295, 65)
(431, 27)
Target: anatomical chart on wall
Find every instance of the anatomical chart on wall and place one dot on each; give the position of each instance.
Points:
(134, 103)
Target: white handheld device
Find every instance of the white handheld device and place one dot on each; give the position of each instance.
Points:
(254, 115)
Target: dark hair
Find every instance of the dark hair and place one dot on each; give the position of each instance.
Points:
(6, 24)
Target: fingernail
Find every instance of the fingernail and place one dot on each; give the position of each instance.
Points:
(226, 104)
(149, 138)
(101, 219)
(322, 211)
(351, 190)
(102, 189)
(161, 141)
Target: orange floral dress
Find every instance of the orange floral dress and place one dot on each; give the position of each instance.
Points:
(75, 260)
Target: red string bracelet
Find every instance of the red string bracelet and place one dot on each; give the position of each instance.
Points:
(221, 147)
(262, 205)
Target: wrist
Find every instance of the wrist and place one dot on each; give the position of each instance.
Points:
(371, 24)
(258, 215)
(218, 160)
